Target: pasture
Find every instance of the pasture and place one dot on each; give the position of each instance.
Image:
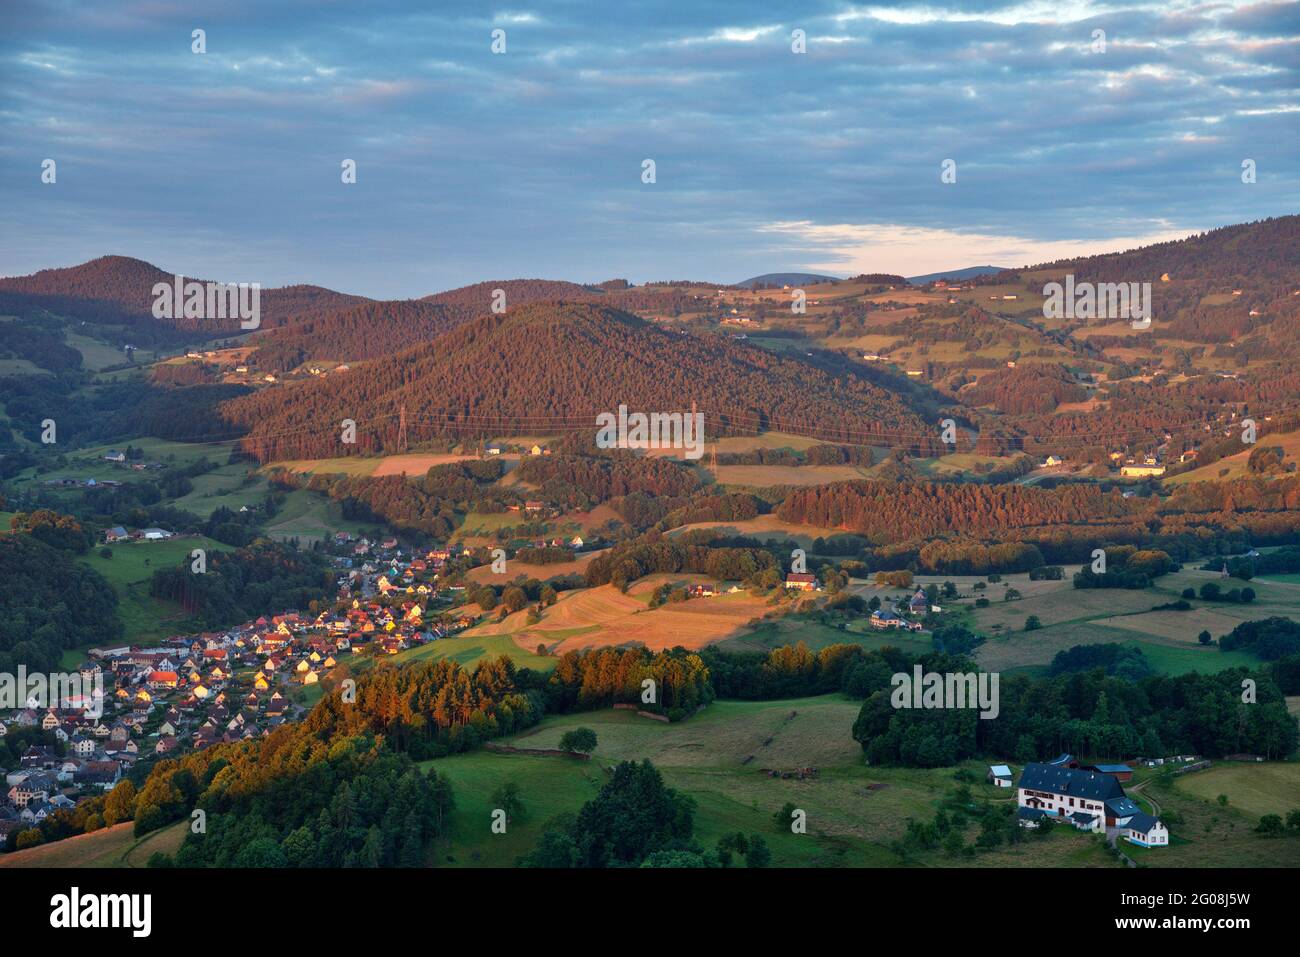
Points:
(115, 846)
(130, 570)
(605, 617)
(717, 757)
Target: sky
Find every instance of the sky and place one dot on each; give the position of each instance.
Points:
(473, 165)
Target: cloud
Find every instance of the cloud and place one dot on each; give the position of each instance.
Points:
(528, 163)
(851, 249)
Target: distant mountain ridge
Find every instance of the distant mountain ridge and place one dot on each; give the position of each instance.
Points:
(118, 290)
(786, 279)
(970, 272)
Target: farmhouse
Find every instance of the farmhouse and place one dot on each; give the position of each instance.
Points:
(1088, 799)
(1146, 830)
(919, 604)
(804, 581)
(888, 619)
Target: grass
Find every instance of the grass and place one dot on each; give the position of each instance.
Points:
(470, 650)
(854, 813)
(310, 516)
(129, 572)
(1073, 616)
(115, 846)
(1272, 787)
(1213, 836)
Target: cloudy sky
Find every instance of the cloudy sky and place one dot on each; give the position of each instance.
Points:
(473, 165)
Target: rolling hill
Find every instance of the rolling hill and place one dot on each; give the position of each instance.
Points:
(118, 291)
(551, 367)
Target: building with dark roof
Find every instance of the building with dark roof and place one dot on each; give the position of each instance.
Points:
(1146, 830)
(1087, 799)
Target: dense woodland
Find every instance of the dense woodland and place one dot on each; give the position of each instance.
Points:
(50, 602)
(240, 585)
(482, 376)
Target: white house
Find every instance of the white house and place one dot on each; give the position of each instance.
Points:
(1146, 830)
(999, 775)
(1080, 797)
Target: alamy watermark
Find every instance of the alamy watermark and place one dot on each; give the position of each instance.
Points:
(1105, 300)
(60, 689)
(933, 689)
(208, 300)
(653, 430)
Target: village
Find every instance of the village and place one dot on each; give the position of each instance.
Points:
(194, 691)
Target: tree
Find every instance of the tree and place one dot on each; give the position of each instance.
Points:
(1270, 825)
(578, 740)
(506, 797)
(1032, 623)
(758, 854)
(1205, 637)
(120, 804)
(784, 816)
(953, 843)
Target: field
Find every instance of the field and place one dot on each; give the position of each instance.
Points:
(1214, 835)
(1254, 789)
(604, 616)
(763, 476)
(90, 463)
(1073, 616)
(414, 464)
(1235, 465)
(484, 575)
(115, 846)
(310, 516)
(469, 651)
(765, 527)
(717, 757)
(129, 572)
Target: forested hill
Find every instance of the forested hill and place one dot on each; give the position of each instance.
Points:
(1268, 248)
(476, 300)
(1237, 287)
(118, 290)
(555, 364)
(365, 331)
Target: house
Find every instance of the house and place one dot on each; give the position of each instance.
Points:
(116, 534)
(1088, 799)
(1141, 471)
(880, 618)
(999, 775)
(155, 534)
(1147, 831)
(804, 581)
(919, 603)
(1051, 460)
(113, 455)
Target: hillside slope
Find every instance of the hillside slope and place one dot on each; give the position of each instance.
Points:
(551, 367)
